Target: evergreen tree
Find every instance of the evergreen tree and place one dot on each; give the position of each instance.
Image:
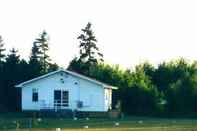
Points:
(35, 66)
(78, 66)
(89, 52)
(88, 49)
(53, 67)
(41, 48)
(13, 58)
(2, 57)
(12, 77)
(35, 52)
(2, 49)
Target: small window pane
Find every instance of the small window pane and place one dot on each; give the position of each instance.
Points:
(35, 95)
(57, 95)
(65, 98)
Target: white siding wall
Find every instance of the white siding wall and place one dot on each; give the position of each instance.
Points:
(46, 89)
(91, 94)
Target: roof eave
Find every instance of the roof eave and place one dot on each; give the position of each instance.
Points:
(110, 87)
(71, 73)
(37, 78)
(18, 86)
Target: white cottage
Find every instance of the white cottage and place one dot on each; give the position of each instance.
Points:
(65, 89)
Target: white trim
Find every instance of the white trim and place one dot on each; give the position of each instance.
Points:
(71, 73)
(35, 79)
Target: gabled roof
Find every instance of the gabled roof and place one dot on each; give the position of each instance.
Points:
(69, 72)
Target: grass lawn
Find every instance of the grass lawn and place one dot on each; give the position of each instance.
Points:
(8, 122)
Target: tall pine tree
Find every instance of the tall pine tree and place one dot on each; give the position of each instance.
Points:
(2, 50)
(89, 52)
(12, 77)
(35, 66)
(41, 47)
(2, 62)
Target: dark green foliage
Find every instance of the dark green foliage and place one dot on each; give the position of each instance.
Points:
(137, 101)
(35, 65)
(168, 90)
(40, 62)
(53, 67)
(11, 72)
(2, 49)
(79, 66)
(14, 70)
(140, 97)
(88, 49)
(39, 51)
(89, 52)
(2, 57)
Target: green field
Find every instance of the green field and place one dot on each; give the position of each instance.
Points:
(10, 123)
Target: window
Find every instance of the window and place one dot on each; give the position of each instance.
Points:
(61, 98)
(35, 95)
(57, 94)
(65, 98)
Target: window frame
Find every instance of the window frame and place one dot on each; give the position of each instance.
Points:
(35, 96)
(64, 98)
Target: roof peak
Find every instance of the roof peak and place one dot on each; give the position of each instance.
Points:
(69, 72)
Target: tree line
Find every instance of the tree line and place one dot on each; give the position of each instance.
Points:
(14, 70)
(169, 89)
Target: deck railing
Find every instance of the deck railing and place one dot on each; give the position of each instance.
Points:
(57, 104)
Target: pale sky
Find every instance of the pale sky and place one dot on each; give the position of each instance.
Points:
(128, 31)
